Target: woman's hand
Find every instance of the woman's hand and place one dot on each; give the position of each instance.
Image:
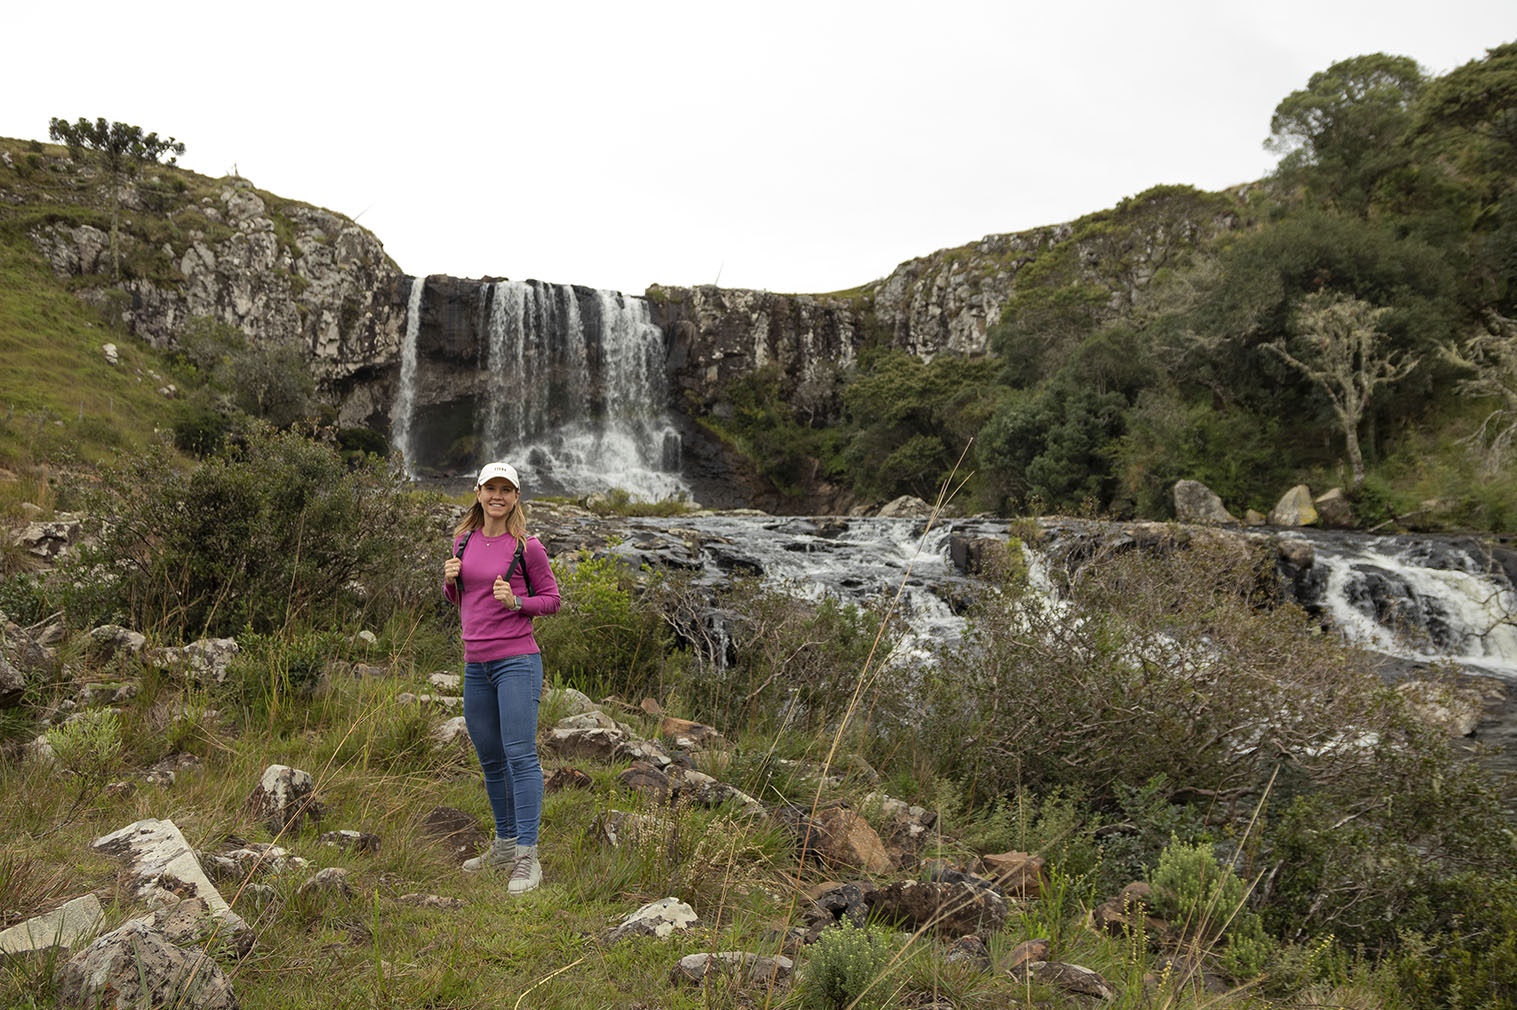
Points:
(503, 593)
(450, 570)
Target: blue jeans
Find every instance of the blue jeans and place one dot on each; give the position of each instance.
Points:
(500, 709)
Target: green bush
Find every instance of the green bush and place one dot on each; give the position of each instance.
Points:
(1208, 902)
(607, 634)
(88, 745)
(276, 532)
(847, 968)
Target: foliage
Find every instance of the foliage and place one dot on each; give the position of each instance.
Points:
(1339, 134)
(88, 745)
(277, 531)
(1343, 355)
(1209, 903)
(1492, 357)
(606, 636)
(847, 968)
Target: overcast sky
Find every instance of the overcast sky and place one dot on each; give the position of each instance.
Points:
(792, 146)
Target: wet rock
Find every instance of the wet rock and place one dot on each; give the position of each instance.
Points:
(457, 832)
(949, 908)
(657, 918)
(284, 799)
(748, 968)
(137, 966)
(63, 927)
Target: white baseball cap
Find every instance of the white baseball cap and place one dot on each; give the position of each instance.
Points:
(505, 470)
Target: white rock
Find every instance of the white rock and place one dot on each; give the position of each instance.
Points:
(63, 927)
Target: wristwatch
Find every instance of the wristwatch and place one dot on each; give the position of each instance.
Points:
(517, 604)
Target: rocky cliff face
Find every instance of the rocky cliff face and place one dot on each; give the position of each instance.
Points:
(282, 272)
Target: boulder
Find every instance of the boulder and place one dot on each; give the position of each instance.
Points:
(950, 908)
(567, 777)
(136, 966)
(110, 639)
(1253, 517)
(284, 799)
(1028, 951)
(905, 507)
(1075, 979)
(63, 927)
(567, 699)
(50, 540)
(836, 837)
(1127, 913)
(1197, 503)
(687, 735)
(160, 860)
(1294, 508)
(747, 968)
(331, 881)
(592, 735)
(454, 732)
(205, 660)
(12, 683)
(698, 787)
(1018, 874)
(648, 780)
(969, 950)
(657, 918)
(352, 841)
(1334, 510)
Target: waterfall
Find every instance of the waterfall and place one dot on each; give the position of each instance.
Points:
(405, 396)
(575, 393)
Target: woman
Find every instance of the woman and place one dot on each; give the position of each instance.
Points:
(500, 579)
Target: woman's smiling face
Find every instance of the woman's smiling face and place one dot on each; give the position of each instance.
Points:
(497, 497)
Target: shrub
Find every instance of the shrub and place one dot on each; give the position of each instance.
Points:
(606, 634)
(847, 968)
(1208, 902)
(88, 745)
(276, 532)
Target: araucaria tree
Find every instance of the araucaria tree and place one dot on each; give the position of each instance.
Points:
(1344, 353)
(121, 150)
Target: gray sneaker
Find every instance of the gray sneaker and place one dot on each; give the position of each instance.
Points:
(527, 873)
(500, 854)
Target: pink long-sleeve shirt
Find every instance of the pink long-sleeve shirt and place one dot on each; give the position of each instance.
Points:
(491, 631)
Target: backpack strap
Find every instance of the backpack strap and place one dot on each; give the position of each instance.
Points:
(518, 560)
(459, 553)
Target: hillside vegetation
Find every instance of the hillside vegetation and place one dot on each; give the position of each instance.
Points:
(1149, 342)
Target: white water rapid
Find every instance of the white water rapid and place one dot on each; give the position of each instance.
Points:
(576, 392)
(405, 397)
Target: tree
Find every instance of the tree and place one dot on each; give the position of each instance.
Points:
(1492, 356)
(1347, 359)
(121, 150)
(1342, 130)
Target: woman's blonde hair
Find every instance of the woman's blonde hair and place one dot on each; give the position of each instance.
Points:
(516, 520)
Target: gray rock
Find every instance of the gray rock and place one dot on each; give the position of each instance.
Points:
(112, 356)
(1294, 508)
(205, 659)
(569, 700)
(50, 540)
(12, 683)
(1197, 503)
(284, 799)
(353, 841)
(159, 859)
(1072, 978)
(950, 908)
(446, 702)
(905, 507)
(1334, 509)
(451, 682)
(63, 927)
(436, 901)
(748, 968)
(136, 966)
(657, 918)
(332, 881)
(454, 732)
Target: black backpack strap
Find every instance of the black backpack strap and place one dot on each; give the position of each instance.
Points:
(518, 561)
(459, 553)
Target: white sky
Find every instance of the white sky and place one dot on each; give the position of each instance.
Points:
(792, 146)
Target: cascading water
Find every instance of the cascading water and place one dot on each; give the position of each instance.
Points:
(577, 403)
(405, 396)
